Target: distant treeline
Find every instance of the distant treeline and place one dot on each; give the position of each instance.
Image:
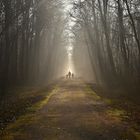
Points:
(111, 32)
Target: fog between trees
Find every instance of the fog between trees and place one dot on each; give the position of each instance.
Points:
(39, 38)
(110, 31)
(32, 41)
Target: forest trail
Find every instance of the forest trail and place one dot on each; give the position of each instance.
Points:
(71, 111)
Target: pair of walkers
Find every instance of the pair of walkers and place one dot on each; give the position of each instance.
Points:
(70, 75)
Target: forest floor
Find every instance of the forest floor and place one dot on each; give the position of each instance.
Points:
(69, 110)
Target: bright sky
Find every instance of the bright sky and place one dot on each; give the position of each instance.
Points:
(69, 47)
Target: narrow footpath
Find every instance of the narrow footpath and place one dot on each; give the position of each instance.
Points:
(71, 111)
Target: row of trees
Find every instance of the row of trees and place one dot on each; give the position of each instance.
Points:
(111, 32)
(30, 30)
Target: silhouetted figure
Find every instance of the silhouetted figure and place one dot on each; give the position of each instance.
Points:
(72, 75)
(69, 74)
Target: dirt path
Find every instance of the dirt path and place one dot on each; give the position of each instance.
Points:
(72, 111)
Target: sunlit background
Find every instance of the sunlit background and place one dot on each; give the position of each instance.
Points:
(69, 48)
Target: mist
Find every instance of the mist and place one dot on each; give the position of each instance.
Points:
(43, 41)
(69, 69)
